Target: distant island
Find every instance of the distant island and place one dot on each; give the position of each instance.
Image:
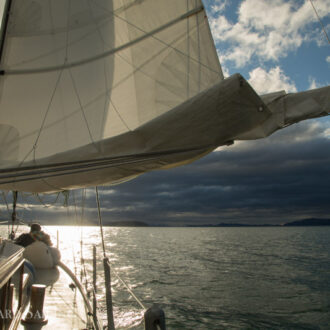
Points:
(304, 222)
(300, 223)
(309, 222)
(133, 223)
(128, 224)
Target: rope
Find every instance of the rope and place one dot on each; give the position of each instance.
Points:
(5, 200)
(100, 220)
(106, 260)
(48, 205)
(318, 17)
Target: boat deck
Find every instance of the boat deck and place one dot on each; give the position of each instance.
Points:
(63, 306)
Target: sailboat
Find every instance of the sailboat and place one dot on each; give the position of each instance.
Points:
(99, 92)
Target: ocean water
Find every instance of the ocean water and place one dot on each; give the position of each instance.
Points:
(211, 278)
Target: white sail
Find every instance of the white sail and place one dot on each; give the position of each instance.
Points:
(80, 71)
(99, 91)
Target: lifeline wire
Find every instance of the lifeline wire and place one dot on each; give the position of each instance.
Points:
(129, 290)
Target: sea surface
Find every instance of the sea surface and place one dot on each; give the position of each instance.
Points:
(210, 278)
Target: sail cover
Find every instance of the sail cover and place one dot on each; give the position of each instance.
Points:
(76, 72)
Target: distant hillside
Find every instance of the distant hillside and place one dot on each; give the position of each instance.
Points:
(304, 222)
(309, 222)
(233, 225)
(127, 224)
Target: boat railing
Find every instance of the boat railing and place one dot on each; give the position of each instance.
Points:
(11, 263)
(154, 317)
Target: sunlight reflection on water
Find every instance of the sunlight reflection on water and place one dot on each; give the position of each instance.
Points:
(211, 278)
(70, 245)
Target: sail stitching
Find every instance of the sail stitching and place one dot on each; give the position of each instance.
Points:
(115, 50)
(188, 52)
(199, 52)
(102, 160)
(82, 168)
(107, 89)
(187, 15)
(55, 89)
(82, 110)
(43, 122)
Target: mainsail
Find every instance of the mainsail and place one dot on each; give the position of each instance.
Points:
(97, 91)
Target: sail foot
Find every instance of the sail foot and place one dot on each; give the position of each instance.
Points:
(185, 133)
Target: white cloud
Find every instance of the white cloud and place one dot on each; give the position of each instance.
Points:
(328, 59)
(266, 29)
(327, 133)
(225, 70)
(270, 81)
(313, 83)
(219, 5)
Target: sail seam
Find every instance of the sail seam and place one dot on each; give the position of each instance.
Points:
(114, 50)
(188, 51)
(43, 122)
(53, 95)
(99, 162)
(82, 110)
(106, 84)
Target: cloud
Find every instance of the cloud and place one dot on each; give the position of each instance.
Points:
(269, 81)
(312, 83)
(265, 30)
(282, 178)
(219, 5)
(328, 59)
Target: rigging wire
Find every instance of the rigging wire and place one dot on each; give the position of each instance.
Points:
(154, 32)
(129, 290)
(104, 253)
(5, 200)
(82, 111)
(48, 205)
(83, 271)
(318, 17)
(113, 51)
(100, 220)
(106, 83)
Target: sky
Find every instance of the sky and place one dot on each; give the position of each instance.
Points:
(275, 45)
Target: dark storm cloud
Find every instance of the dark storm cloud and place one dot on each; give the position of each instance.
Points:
(273, 180)
(282, 178)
